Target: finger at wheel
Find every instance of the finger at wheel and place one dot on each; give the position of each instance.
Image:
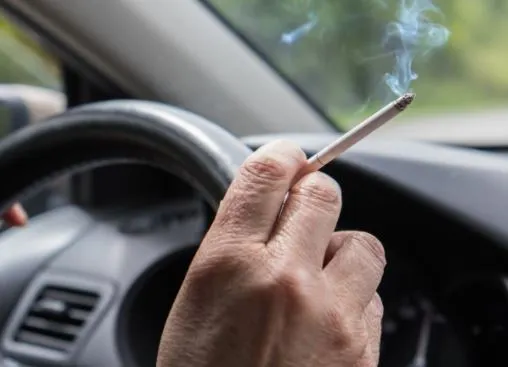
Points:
(356, 269)
(15, 216)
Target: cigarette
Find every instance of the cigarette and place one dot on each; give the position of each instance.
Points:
(353, 136)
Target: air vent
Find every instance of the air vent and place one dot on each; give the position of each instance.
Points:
(56, 318)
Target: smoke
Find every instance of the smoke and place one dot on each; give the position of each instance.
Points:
(377, 41)
(296, 34)
(411, 35)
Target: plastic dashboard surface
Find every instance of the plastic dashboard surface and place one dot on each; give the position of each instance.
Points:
(462, 195)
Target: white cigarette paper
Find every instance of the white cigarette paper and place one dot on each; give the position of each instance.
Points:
(356, 134)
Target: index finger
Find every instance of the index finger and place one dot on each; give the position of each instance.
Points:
(254, 199)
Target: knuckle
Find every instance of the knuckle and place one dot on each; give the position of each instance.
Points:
(263, 170)
(377, 306)
(234, 210)
(373, 246)
(221, 269)
(319, 188)
(220, 262)
(291, 284)
(348, 333)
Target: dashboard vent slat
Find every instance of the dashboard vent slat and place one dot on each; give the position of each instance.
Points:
(42, 341)
(56, 318)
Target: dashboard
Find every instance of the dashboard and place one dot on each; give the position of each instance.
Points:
(91, 284)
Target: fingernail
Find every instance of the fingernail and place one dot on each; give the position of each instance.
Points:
(282, 148)
(19, 214)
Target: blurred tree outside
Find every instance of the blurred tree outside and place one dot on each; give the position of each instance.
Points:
(341, 62)
(23, 61)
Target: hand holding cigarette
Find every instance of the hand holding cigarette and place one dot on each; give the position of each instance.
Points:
(309, 292)
(273, 246)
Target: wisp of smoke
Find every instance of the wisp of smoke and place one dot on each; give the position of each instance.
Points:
(412, 34)
(296, 34)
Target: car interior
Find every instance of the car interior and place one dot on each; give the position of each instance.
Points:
(122, 180)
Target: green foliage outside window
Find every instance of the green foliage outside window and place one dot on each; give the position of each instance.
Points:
(23, 60)
(340, 63)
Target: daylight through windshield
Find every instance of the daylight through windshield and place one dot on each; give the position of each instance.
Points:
(351, 56)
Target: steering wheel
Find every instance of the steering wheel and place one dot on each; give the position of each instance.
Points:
(168, 138)
(107, 133)
(113, 132)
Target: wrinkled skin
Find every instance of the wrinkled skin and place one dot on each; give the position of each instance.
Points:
(278, 288)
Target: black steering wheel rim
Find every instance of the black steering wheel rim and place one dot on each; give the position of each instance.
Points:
(104, 133)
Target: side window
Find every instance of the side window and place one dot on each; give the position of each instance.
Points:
(30, 90)
(30, 81)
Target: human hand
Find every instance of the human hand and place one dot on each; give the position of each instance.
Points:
(15, 216)
(278, 288)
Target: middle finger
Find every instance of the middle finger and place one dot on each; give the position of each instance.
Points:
(308, 218)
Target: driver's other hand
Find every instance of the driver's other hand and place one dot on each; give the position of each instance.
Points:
(272, 288)
(15, 216)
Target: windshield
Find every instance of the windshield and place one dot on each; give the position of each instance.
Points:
(349, 57)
